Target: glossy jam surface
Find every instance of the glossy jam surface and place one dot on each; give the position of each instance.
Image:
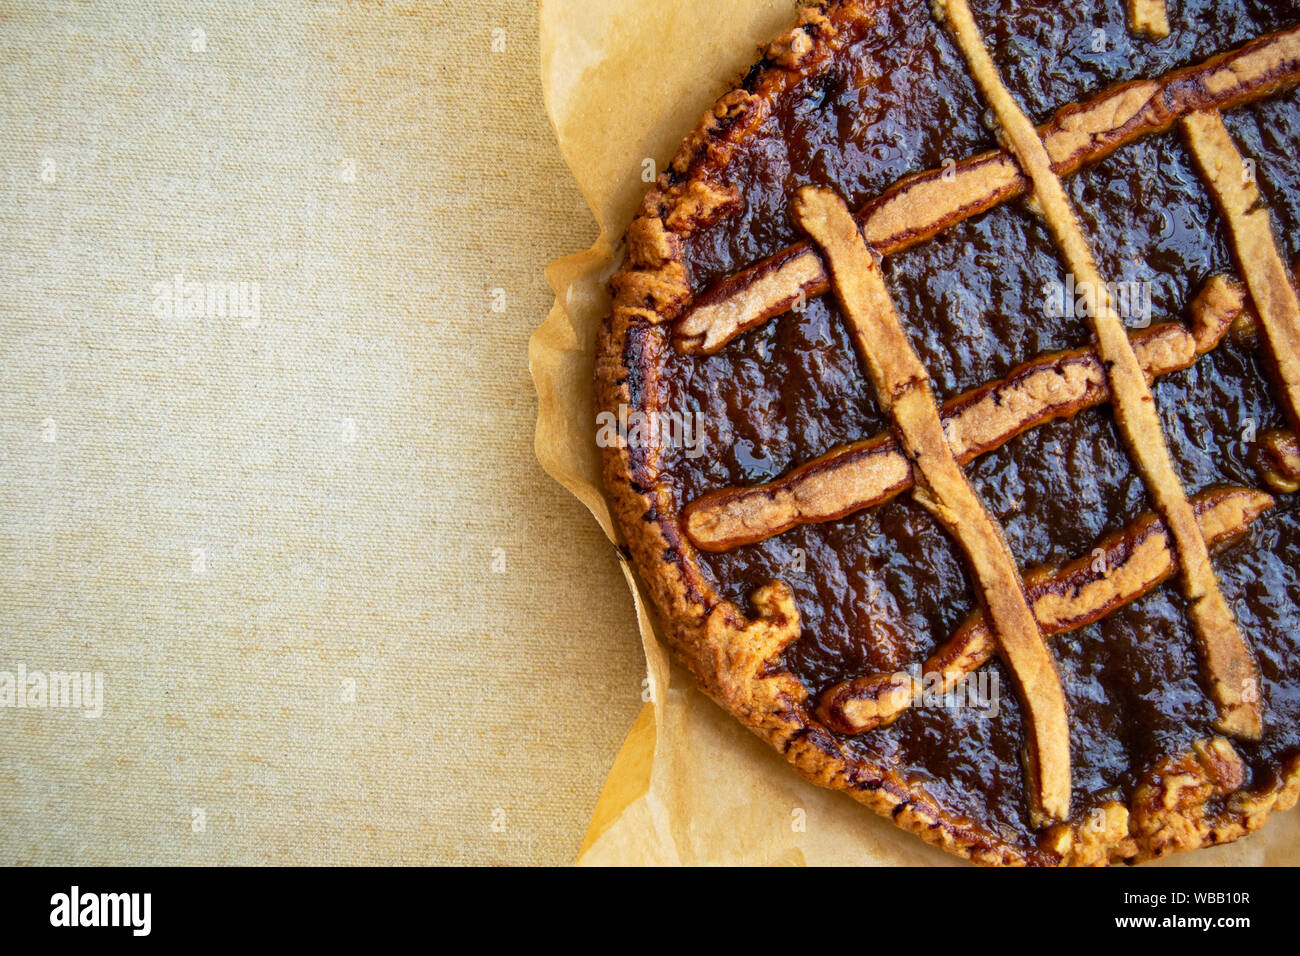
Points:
(878, 590)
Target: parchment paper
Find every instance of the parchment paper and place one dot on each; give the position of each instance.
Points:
(625, 80)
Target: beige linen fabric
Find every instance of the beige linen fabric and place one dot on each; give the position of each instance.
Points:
(340, 612)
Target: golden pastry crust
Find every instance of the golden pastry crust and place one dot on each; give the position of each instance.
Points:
(736, 659)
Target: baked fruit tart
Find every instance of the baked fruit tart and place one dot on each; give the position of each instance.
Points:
(956, 361)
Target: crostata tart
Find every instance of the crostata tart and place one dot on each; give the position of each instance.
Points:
(956, 365)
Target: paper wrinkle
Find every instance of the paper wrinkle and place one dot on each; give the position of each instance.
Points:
(624, 80)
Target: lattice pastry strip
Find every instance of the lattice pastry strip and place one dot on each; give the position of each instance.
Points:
(1237, 195)
(1230, 669)
(902, 386)
(1149, 17)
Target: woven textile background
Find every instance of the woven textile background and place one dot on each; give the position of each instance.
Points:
(340, 613)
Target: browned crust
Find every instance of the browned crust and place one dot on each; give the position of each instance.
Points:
(870, 472)
(1120, 569)
(1184, 801)
(922, 205)
(696, 620)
